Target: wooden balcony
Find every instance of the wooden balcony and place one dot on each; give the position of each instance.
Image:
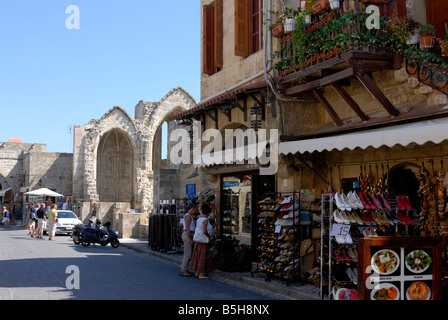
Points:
(336, 47)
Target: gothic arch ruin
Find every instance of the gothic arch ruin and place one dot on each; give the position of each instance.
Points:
(117, 148)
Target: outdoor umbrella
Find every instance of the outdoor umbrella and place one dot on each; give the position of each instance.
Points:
(44, 192)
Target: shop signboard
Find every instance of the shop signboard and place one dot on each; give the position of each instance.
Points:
(190, 190)
(399, 268)
(230, 183)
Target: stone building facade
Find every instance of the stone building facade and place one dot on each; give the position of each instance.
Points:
(117, 159)
(28, 166)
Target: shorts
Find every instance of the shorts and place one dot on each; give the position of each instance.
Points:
(6, 219)
(41, 223)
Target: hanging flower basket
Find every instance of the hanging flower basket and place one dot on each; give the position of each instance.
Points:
(320, 6)
(375, 1)
(334, 4)
(427, 42)
(290, 25)
(278, 31)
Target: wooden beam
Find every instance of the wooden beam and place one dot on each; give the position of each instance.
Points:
(370, 85)
(328, 108)
(352, 103)
(347, 73)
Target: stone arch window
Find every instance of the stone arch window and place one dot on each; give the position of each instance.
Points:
(115, 167)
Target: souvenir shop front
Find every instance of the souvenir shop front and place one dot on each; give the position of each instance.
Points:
(383, 215)
(238, 192)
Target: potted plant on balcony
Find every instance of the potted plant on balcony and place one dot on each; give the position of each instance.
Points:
(319, 6)
(427, 36)
(277, 28)
(444, 42)
(404, 29)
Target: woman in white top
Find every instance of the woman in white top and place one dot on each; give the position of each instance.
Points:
(202, 262)
(187, 238)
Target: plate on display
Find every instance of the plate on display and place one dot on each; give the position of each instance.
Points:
(385, 291)
(417, 261)
(385, 261)
(418, 291)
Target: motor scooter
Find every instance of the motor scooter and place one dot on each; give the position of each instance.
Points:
(102, 236)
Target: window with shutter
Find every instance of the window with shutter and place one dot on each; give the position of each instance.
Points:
(256, 26)
(208, 37)
(219, 34)
(242, 27)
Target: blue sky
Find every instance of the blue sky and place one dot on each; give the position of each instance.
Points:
(125, 51)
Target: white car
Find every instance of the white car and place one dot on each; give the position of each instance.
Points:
(66, 222)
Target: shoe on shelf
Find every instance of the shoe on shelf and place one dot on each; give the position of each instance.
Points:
(355, 199)
(385, 201)
(365, 202)
(357, 218)
(406, 203)
(376, 201)
(341, 201)
(345, 219)
(350, 217)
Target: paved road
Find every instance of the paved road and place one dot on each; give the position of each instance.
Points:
(47, 270)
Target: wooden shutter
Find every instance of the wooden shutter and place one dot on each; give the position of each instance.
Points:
(219, 33)
(437, 13)
(208, 34)
(242, 27)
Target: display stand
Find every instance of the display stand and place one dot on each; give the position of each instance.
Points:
(404, 268)
(325, 255)
(280, 238)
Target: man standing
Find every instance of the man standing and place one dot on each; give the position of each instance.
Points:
(187, 237)
(41, 221)
(32, 219)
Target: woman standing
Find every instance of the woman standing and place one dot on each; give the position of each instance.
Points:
(5, 216)
(52, 217)
(201, 261)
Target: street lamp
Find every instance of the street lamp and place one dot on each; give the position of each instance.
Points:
(255, 117)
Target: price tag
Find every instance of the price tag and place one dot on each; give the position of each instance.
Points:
(341, 230)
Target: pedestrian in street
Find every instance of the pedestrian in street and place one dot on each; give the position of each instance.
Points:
(5, 216)
(32, 218)
(189, 227)
(52, 219)
(36, 222)
(41, 221)
(201, 261)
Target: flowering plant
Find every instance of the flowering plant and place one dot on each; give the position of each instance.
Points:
(402, 28)
(427, 30)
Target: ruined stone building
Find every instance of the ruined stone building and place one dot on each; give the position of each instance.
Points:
(116, 163)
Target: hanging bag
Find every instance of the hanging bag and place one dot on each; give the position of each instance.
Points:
(199, 235)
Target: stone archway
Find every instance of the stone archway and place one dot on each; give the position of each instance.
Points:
(115, 168)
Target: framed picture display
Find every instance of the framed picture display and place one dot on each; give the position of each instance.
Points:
(399, 268)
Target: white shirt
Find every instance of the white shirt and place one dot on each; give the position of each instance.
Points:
(192, 223)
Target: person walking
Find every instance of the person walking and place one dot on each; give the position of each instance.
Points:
(187, 237)
(201, 261)
(5, 217)
(36, 222)
(32, 219)
(41, 221)
(52, 219)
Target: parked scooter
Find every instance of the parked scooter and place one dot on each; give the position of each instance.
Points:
(78, 229)
(89, 235)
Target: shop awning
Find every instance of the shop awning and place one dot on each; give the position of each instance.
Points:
(231, 156)
(435, 130)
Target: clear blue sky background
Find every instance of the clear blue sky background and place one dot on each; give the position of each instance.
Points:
(125, 51)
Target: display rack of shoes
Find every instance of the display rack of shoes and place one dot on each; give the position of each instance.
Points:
(279, 233)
